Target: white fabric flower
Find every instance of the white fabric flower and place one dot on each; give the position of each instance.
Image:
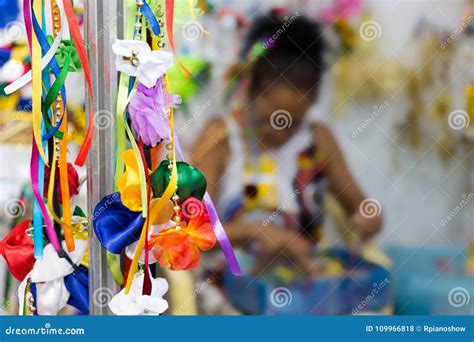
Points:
(52, 267)
(135, 303)
(135, 58)
(48, 275)
(51, 297)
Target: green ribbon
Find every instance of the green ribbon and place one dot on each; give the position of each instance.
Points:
(62, 54)
(191, 182)
(55, 89)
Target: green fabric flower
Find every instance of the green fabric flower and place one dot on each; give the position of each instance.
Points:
(62, 53)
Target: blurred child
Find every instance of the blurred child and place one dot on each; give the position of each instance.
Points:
(268, 167)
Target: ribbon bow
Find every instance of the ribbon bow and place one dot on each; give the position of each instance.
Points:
(18, 251)
(115, 225)
(62, 52)
(191, 182)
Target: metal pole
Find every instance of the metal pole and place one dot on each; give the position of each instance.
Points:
(103, 21)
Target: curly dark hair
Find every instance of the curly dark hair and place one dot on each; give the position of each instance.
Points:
(294, 51)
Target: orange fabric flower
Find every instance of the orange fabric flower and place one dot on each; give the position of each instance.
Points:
(180, 248)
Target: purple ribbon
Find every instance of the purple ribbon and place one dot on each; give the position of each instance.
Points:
(217, 225)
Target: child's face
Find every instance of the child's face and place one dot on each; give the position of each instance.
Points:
(280, 111)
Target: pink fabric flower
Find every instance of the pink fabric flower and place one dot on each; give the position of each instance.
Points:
(148, 110)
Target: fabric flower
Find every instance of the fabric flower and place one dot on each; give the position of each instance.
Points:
(48, 275)
(52, 267)
(180, 248)
(191, 181)
(129, 182)
(18, 250)
(155, 229)
(62, 53)
(73, 181)
(135, 303)
(136, 58)
(115, 225)
(148, 110)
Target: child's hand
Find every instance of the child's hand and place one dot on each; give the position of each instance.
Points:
(274, 241)
(367, 227)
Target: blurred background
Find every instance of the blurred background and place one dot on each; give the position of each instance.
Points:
(397, 95)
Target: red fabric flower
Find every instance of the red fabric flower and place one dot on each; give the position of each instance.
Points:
(73, 180)
(18, 250)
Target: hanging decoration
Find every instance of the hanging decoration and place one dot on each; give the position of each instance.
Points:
(52, 244)
(160, 212)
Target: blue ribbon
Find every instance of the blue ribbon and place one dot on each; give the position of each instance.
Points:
(150, 17)
(33, 293)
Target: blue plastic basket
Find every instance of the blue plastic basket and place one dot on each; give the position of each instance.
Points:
(430, 280)
(365, 289)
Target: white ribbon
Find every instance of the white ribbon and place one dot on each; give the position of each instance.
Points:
(26, 78)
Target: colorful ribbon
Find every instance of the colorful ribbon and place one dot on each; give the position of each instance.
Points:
(216, 225)
(156, 207)
(81, 52)
(35, 155)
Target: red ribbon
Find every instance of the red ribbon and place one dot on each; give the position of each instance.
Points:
(169, 14)
(18, 250)
(81, 52)
(146, 281)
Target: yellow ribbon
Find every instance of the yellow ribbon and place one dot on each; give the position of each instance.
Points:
(156, 207)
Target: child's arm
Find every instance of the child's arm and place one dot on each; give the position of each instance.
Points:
(210, 156)
(342, 184)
